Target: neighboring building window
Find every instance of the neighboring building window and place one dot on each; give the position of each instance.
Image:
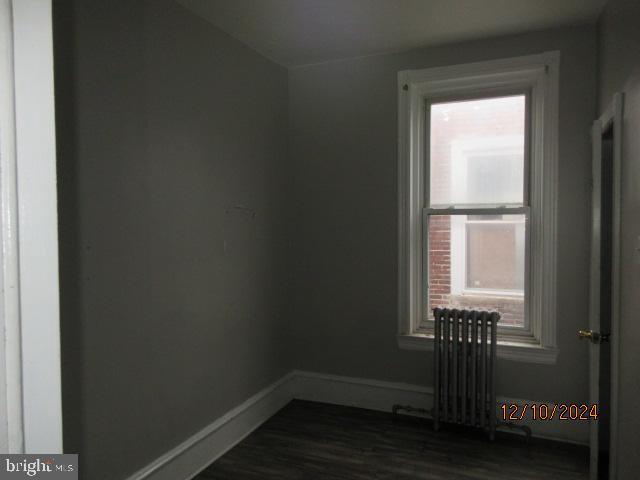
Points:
(477, 180)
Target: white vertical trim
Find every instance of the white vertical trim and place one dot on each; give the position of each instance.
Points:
(618, 123)
(404, 326)
(594, 289)
(10, 356)
(544, 191)
(410, 192)
(611, 118)
(37, 224)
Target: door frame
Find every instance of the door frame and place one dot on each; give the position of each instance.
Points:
(30, 376)
(612, 117)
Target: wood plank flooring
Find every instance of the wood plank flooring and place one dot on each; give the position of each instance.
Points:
(308, 440)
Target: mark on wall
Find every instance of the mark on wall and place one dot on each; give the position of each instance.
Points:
(238, 229)
(249, 212)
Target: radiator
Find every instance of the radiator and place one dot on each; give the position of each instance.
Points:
(465, 358)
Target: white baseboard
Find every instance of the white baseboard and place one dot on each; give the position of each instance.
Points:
(194, 454)
(198, 451)
(358, 392)
(382, 395)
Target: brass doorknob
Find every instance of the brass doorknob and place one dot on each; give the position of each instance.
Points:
(594, 337)
(588, 334)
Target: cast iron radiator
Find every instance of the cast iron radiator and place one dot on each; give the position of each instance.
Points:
(464, 361)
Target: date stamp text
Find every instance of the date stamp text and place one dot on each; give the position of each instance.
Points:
(541, 411)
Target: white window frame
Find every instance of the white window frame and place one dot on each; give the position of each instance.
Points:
(538, 75)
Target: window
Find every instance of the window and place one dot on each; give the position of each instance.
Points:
(477, 160)
(477, 180)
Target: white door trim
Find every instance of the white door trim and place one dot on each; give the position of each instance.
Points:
(615, 281)
(30, 293)
(594, 289)
(11, 434)
(612, 117)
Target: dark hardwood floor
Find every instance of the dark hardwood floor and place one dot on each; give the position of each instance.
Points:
(308, 440)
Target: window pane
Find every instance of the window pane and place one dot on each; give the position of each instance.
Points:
(477, 152)
(478, 261)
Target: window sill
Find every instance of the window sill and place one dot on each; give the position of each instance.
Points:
(515, 351)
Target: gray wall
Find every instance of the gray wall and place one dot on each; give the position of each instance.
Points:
(619, 69)
(172, 140)
(343, 217)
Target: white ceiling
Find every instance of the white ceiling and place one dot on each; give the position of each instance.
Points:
(298, 32)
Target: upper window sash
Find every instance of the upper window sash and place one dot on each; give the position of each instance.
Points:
(481, 144)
